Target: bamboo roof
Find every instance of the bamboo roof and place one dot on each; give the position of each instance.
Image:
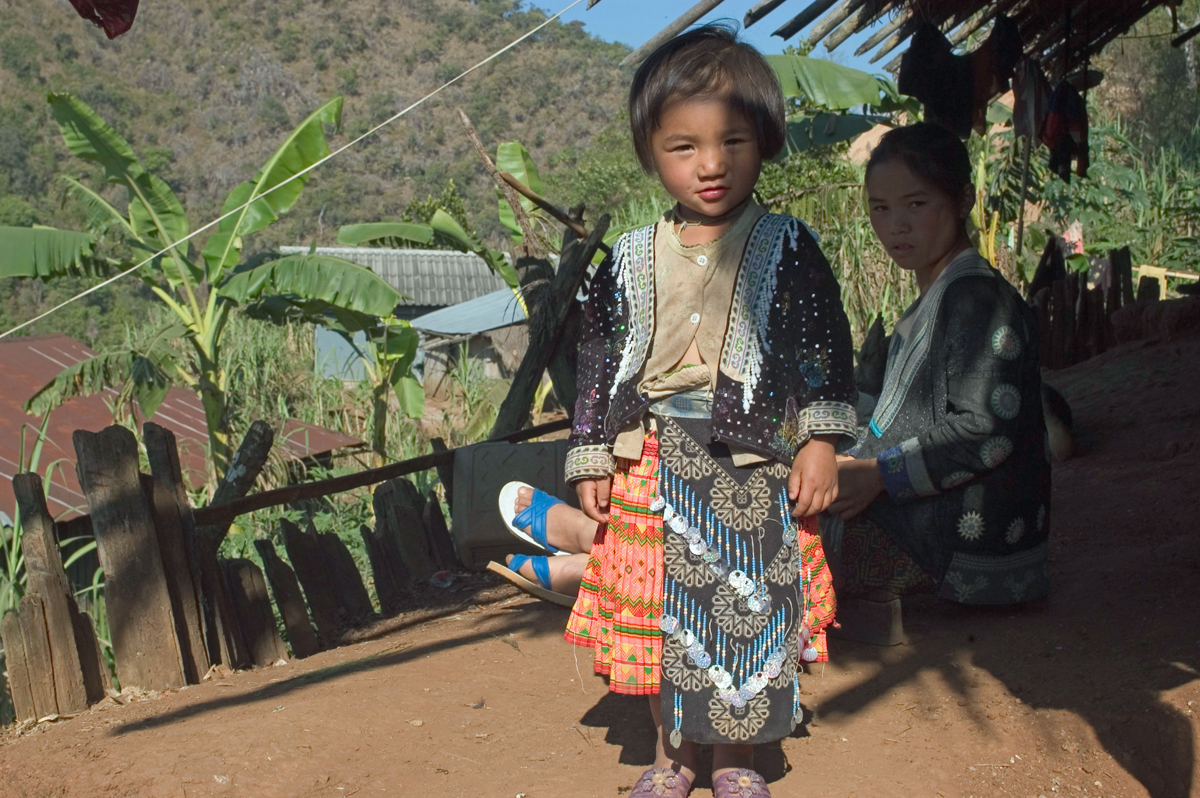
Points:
(1060, 35)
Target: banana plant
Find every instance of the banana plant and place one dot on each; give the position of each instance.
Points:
(200, 292)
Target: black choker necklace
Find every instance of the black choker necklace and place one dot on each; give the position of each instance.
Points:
(709, 221)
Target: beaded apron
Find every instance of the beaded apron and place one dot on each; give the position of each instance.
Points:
(734, 592)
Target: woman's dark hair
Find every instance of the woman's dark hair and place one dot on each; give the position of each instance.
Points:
(705, 63)
(931, 152)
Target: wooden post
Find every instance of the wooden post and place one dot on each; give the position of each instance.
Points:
(440, 542)
(396, 515)
(349, 591)
(18, 672)
(138, 602)
(1102, 327)
(172, 516)
(255, 617)
(387, 568)
(308, 559)
(48, 580)
(445, 472)
(244, 468)
(289, 600)
(1071, 284)
(1122, 265)
(545, 329)
(1058, 325)
(97, 678)
(38, 660)
(1148, 289)
(1083, 322)
(1041, 306)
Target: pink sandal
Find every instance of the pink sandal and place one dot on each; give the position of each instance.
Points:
(740, 784)
(661, 783)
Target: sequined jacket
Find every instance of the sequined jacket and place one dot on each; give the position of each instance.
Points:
(965, 462)
(787, 340)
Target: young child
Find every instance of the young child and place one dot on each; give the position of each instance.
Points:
(714, 380)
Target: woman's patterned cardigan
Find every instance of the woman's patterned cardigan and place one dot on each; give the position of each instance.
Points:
(787, 339)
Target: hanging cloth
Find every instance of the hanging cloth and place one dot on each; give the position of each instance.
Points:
(1031, 98)
(956, 89)
(114, 16)
(1065, 131)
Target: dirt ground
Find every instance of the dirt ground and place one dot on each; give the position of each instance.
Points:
(1091, 692)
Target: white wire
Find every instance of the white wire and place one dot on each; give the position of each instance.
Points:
(304, 171)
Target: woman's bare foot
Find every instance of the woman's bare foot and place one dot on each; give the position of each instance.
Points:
(567, 529)
(565, 572)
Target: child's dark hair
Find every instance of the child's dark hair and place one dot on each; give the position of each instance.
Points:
(931, 152)
(705, 63)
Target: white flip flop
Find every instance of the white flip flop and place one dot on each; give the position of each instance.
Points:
(507, 503)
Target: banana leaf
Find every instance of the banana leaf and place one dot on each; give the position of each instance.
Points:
(47, 252)
(272, 195)
(352, 235)
(337, 281)
(825, 84)
(512, 157)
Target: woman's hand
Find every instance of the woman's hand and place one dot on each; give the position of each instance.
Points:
(859, 483)
(813, 483)
(593, 495)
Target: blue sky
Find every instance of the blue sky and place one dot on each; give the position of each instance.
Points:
(632, 22)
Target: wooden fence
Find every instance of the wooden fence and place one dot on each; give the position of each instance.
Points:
(174, 607)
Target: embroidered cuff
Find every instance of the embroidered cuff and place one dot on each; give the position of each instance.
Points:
(823, 418)
(904, 474)
(589, 461)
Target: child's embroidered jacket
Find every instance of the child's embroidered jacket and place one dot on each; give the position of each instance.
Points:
(786, 370)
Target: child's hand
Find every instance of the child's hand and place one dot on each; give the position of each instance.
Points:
(813, 483)
(593, 495)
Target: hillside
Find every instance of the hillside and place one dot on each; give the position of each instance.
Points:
(205, 91)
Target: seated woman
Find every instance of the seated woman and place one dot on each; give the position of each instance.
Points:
(948, 490)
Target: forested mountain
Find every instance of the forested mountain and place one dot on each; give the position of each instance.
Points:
(206, 90)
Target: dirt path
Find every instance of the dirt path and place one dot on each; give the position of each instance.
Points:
(1093, 692)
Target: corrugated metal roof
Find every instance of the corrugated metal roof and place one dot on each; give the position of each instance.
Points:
(29, 363)
(432, 277)
(497, 309)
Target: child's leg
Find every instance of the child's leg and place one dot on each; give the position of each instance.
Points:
(667, 755)
(732, 757)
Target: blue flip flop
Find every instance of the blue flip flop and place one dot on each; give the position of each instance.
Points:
(541, 569)
(533, 516)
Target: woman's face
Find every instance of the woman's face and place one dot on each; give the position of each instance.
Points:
(917, 223)
(706, 155)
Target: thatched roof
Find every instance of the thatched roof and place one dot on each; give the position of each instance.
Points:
(1058, 34)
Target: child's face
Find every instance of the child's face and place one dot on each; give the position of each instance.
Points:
(706, 154)
(917, 224)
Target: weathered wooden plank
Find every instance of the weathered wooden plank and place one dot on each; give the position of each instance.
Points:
(173, 523)
(1122, 266)
(353, 601)
(1058, 324)
(244, 468)
(1041, 308)
(440, 541)
(97, 679)
(395, 515)
(289, 600)
(18, 672)
(1071, 285)
(445, 472)
(257, 621)
(38, 659)
(138, 602)
(308, 559)
(387, 570)
(47, 579)
(1101, 327)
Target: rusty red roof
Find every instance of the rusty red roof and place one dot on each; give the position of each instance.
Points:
(29, 363)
